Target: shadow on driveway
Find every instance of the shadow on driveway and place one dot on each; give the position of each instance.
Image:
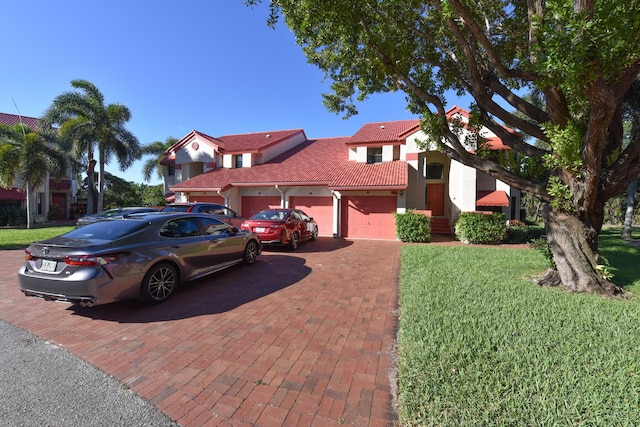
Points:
(217, 293)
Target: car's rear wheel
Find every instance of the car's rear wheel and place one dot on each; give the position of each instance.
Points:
(158, 284)
(295, 241)
(250, 252)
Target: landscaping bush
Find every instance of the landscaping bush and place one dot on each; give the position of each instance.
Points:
(481, 228)
(54, 211)
(12, 216)
(519, 232)
(413, 227)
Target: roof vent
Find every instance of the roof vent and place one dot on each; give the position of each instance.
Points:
(381, 126)
(268, 135)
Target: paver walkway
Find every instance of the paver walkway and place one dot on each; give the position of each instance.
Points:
(301, 338)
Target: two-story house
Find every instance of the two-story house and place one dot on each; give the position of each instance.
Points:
(352, 186)
(60, 193)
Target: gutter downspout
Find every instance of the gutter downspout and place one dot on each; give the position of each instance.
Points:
(337, 197)
(225, 197)
(284, 200)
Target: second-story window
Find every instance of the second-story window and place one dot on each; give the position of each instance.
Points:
(172, 170)
(238, 161)
(435, 171)
(374, 155)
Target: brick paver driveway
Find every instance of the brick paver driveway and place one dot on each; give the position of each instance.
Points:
(301, 338)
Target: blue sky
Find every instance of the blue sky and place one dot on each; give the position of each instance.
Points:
(212, 66)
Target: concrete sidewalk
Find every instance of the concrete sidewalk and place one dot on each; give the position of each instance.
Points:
(300, 338)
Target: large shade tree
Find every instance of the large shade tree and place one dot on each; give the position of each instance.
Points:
(581, 55)
(88, 124)
(27, 158)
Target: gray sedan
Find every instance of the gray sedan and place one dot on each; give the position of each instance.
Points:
(144, 256)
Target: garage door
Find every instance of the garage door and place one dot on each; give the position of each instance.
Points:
(319, 208)
(254, 204)
(369, 217)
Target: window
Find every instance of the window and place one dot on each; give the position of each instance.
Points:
(214, 226)
(172, 170)
(435, 171)
(238, 161)
(374, 155)
(40, 204)
(183, 227)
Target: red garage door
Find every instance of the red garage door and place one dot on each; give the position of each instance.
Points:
(369, 217)
(254, 204)
(319, 208)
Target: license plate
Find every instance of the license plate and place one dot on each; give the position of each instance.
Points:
(48, 265)
(259, 229)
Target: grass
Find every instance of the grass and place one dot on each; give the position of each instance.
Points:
(20, 238)
(483, 346)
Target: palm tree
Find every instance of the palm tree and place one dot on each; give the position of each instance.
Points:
(27, 157)
(86, 123)
(157, 150)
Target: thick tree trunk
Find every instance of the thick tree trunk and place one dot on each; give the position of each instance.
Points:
(574, 247)
(628, 216)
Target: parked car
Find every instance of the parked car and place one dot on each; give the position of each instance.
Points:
(282, 227)
(88, 219)
(144, 256)
(221, 211)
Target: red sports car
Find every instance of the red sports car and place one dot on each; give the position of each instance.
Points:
(282, 227)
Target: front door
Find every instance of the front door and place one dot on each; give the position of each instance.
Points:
(435, 199)
(60, 200)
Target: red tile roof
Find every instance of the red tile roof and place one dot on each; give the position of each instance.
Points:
(234, 144)
(492, 198)
(14, 119)
(384, 132)
(255, 142)
(495, 143)
(194, 134)
(315, 162)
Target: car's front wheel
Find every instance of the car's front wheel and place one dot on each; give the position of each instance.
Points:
(250, 252)
(158, 284)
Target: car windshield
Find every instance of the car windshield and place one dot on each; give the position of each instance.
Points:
(276, 215)
(175, 208)
(107, 230)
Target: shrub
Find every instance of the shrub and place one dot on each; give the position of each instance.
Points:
(519, 232)
(413, 227)
(481, 228)
(54, 211)
(12, 216)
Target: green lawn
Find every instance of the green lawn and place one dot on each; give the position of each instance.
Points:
(19, 238)
(480, 345)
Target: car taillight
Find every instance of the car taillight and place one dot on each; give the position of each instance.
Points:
(88, 260)
(28, 255)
